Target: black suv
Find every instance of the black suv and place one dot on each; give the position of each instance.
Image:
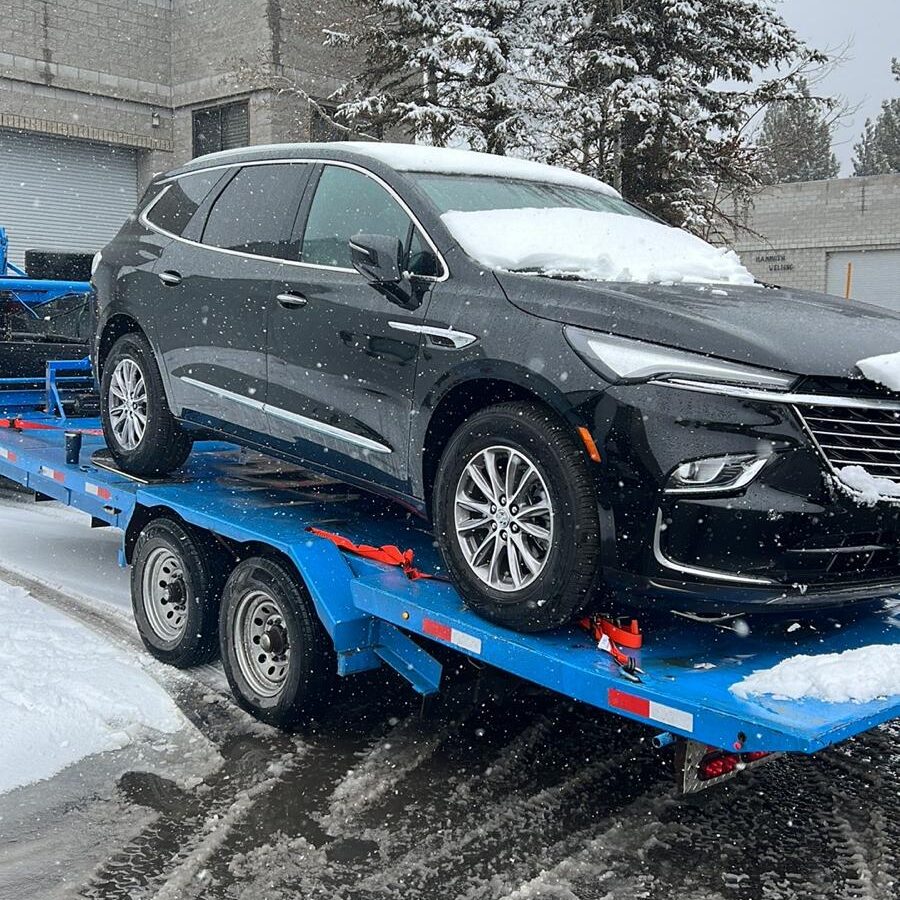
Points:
(584, 401)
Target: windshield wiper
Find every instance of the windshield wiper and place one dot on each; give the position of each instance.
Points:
(549, 273)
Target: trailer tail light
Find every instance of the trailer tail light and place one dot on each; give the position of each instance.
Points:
(702, 766)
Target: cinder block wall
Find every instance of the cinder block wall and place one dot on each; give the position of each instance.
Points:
(798, 224)
(92, 69)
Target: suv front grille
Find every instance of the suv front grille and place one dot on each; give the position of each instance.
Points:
(859, 436)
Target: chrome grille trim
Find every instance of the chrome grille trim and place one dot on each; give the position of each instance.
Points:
(863, 437)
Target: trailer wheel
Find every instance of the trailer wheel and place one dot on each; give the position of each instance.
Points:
(176, 581)
(278, 658)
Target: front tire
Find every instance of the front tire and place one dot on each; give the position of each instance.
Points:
(279, 660)
(142, 434)
(515, 516)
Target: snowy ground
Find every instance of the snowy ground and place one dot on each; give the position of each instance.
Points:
(498, 791)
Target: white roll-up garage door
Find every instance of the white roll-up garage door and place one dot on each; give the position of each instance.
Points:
(874, 276)
(63, 194)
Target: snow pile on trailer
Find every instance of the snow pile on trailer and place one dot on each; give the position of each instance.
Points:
(854, 676)
(66, 693)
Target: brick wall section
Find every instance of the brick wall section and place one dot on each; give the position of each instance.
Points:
(100, 69)
(798, 224)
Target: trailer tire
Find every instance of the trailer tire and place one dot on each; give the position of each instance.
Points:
(278, 658)
(176, 583)
(162, 444)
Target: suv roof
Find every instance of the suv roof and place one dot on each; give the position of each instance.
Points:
(406, 158)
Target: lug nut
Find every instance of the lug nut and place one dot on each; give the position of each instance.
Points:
(493, 526)
(503, 535)
(514, 510)
(503, 501)
(493, 508)
(514, 528)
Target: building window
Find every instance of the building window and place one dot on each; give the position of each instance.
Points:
(221, 128)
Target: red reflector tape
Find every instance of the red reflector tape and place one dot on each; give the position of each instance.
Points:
(97, 491)
(8, 455)
(651, 709)
(451, 635)
(47, 472)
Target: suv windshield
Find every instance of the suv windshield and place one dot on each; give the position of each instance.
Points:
(471, 193)
(565, 231)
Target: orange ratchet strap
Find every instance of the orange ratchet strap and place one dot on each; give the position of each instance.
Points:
(611, 636)
(18, 424)
(389, 554)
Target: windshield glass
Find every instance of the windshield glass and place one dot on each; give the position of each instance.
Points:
(564, 231)
(471, 193)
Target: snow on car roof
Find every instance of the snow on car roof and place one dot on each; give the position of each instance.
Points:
(452, 161)
(436, 160)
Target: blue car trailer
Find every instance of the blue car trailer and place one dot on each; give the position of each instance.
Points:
(376, 615)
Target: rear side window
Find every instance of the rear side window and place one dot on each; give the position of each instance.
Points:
(180, 200)
(347, 203)
(256, 211)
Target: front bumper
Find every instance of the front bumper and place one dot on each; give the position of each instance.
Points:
(788, 541)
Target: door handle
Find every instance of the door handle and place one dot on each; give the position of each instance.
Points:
(170, 278)
(291, 301)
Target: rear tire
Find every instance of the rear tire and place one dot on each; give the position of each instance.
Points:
(278, 658)
(176, 583)
(527, 561)
(141, 432)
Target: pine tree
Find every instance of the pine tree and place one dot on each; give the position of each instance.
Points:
(795, 141)
(878, 151)
(653, 96)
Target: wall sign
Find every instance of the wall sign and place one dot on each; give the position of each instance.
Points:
(776, 262)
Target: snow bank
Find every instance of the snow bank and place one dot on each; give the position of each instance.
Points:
(451, 161)
(882, 370)
(600, 246)
(855, 675)
(65, 693)
(869, 488)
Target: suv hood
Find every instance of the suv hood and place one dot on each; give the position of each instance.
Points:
(793, 331)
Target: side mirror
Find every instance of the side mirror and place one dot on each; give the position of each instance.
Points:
(377, 258)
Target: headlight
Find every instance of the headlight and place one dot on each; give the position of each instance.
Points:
(620, 359)
(95, 262)
(715, 473)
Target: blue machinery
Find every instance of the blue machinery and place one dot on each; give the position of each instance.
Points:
(372, 612)
(30, 294)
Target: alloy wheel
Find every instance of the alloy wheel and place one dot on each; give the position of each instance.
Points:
(504, 518)
(127, 403)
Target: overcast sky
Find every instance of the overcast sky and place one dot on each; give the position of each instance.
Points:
(864, 79)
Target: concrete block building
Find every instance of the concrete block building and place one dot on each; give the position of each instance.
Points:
(98, 95)
(840, 236)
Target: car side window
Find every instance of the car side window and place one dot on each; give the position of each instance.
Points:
(256, 210)
(347, 202)
(180, 200)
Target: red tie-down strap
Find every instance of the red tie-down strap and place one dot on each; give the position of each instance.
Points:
(611, 637)
(389, 554)
(24, 425)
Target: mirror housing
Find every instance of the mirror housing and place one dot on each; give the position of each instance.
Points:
(377, 258)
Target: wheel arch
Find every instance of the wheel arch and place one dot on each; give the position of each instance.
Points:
(468, 394)
(115, 327)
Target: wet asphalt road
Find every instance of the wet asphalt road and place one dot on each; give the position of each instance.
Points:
(496, 790)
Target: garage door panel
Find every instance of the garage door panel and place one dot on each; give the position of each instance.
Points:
(61, 194)
(875, 276)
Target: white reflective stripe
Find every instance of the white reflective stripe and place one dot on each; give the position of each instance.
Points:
(466, 641)
(47, 472)
(668, 715)
(97, 491)
(6, 454)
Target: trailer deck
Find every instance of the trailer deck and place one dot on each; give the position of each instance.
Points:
(375, 615)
